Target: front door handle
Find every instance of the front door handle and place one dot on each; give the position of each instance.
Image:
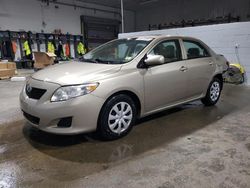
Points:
(211, 63)
(183, 69)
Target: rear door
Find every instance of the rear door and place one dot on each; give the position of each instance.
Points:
(200, 67)
(165, 84)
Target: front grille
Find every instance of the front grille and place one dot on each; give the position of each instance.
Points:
(32, 119)
(34, 93)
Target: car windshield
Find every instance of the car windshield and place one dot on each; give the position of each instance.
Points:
(118, 51)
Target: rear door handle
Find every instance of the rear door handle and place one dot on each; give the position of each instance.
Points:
(183, 68)
(211, 63)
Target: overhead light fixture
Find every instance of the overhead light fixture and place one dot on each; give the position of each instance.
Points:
(147, 1)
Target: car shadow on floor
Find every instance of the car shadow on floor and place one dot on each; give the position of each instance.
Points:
(149, 133)
(37, 136)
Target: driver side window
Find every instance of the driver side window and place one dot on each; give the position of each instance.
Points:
(170, 50)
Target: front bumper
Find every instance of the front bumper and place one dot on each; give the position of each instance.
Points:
(84, 110)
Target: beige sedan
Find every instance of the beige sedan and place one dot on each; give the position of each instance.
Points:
(120, 81)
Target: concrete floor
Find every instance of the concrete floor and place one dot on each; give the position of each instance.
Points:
(9, 91)
(188, 146)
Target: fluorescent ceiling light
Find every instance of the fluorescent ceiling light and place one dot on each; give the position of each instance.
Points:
(147, 1)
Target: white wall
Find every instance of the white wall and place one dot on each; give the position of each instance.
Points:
(28, 15)
(222, 38)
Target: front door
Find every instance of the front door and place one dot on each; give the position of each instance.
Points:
(165, 84)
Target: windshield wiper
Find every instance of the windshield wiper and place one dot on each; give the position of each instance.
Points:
(103, 61)
(109, 61)
(87, 60)
(97, 60)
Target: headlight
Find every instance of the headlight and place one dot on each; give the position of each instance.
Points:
(67, 92)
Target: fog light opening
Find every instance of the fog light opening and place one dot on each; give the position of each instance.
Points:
(65, 122)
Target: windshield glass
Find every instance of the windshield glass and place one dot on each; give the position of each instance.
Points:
(118, 51)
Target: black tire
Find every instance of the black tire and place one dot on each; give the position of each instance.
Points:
(210, 99)
(103, 129)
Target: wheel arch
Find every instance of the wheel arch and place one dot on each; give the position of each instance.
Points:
(131, 94)
(220, 77)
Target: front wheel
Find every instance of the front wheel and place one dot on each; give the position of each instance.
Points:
(117, 117)
(213, 92)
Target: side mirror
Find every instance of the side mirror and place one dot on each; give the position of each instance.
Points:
(154, 60)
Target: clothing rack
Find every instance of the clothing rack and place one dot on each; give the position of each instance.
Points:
(12, 45)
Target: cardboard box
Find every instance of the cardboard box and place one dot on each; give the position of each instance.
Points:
(43, 59)
(3, 66)
(7, 73)
(7, 70)
(11, 65)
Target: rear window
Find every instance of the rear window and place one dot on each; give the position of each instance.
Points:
(195, 50)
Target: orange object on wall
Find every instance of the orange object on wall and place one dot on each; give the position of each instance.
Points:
(14, 46)
(67, 50)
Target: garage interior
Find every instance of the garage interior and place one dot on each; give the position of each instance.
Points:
(187, 146)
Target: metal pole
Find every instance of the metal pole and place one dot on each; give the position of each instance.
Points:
(122, 16)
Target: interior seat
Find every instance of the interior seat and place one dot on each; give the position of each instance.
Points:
(193, 52)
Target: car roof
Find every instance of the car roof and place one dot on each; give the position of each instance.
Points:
(163, 37)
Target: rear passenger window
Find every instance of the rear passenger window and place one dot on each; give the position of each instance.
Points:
(169, 49)
(195, 49)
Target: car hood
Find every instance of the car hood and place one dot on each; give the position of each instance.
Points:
(75, 72)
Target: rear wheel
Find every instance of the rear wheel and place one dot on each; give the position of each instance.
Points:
(117, 117)
(213, 92)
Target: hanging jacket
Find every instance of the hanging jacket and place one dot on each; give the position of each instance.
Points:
(51, 47)
(81, 48)
(5, 50)
(26, 48)
(60, 52)
(14, 47)
(67, 50)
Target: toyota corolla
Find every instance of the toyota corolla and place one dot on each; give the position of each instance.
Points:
(120, 81)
